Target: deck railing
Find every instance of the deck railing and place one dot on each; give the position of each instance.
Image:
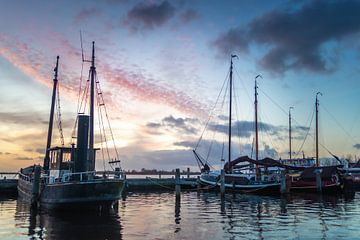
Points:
(85, 177)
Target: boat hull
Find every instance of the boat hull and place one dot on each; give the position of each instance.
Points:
(90, 194)
(235, 184)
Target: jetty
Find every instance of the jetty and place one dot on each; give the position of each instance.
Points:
(135, 181)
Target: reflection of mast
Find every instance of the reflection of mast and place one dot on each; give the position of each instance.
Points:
(256, 129)
(230, 108)
(290, 131)
(317, 127)
(51, 120)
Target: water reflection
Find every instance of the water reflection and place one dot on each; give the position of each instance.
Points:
(177, 213)
(197, 215)
(44, 224)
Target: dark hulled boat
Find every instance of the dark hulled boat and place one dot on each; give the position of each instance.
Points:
(68, 178)
(253, 180)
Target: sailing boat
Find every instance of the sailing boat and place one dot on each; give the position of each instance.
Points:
(326, 178)
(235, 179)
(68, 178)
(299, 162)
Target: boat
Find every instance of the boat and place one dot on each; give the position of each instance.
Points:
(68, 178)
(252, 180)
(318, 178)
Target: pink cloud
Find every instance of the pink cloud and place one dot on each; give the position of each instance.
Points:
(36, 64)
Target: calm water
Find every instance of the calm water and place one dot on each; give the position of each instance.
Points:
(195, 216)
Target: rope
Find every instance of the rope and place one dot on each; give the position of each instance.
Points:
(332, 116)
(308, 132)
(211, 112)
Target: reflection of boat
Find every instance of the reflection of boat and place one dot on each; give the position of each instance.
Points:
(68, 177)
(250, 181)
(44, 224)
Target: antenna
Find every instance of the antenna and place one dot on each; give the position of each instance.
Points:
(82, 50)
(81, 45)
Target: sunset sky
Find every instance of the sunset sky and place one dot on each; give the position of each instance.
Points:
(161, 65)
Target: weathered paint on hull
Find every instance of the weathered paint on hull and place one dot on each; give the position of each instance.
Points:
(75, 194)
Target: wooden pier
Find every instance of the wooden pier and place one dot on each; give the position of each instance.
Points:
(147, 183)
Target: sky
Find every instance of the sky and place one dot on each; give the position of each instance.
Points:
(161, 66)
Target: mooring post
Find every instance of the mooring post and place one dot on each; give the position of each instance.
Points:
(36, 186)
(177, 182)
(188, 172)
(198, 183)
(283, 189)
(348, 186)
(222, 182)
(318, 180)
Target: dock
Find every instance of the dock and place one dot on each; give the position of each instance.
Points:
(136, 182)
(150, 183)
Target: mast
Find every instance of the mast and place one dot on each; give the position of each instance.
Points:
(51, 120)
(230, 112)
(256, 129)
(317, 128)
(290, 131)
(91, 127)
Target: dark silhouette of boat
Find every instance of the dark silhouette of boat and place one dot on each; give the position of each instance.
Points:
(68, 178)
(254, 180)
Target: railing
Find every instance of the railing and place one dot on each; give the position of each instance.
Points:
(84, 177)
(27, 178)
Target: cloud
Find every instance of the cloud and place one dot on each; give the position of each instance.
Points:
(297, 39)
(214, 150)
(244, 128)
(357, 146)
(189, 15)
(34, 64)
(5, 153)
(87, 13)
(149, 15)
(145, 89)
(22, 118)
(36, 150)
(24, 158)
(153, 125)
(182, 125)
(39, 119)
(187, 144)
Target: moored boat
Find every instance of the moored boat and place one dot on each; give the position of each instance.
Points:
(253, 180)
(68, 178)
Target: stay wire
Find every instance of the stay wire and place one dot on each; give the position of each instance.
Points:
(212, 111)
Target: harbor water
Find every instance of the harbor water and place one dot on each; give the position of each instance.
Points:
(196, 215)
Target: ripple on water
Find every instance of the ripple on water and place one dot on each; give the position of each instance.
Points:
(195, 216)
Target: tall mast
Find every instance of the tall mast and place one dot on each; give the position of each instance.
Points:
(290, 131)
(230, 110)
(256, 129)
(92, 87)
(51, 120)
(317, 127)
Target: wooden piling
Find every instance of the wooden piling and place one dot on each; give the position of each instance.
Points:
(318, 180)
(177, 182)
(36, 186)
(222, 182)
(283, 189)
(188, 172)
(198, 183)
